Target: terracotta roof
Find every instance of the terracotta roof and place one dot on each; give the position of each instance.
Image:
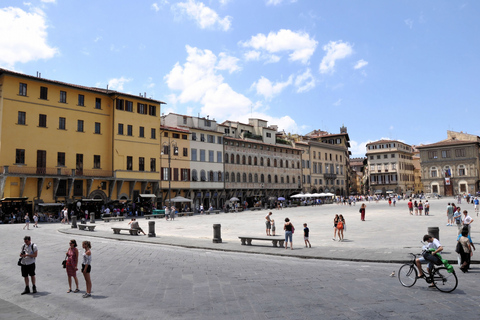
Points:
(93, 89)
(445, 143)
(262, 143)
(387, 141)
(174, 129)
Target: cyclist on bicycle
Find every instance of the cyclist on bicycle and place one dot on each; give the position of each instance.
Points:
(429, 257)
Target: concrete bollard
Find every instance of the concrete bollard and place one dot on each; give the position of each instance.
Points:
(217, 236)
(151, 229)
(92, 217)
(74, 221)
(434, 232)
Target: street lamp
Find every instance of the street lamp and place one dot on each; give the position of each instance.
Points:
(167, 147)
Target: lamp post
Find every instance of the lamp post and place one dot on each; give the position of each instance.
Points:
(168, 148)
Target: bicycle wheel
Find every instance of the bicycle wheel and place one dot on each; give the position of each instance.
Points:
(443, 280)
(407, 275)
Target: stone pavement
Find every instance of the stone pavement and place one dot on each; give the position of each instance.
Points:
(140, 277)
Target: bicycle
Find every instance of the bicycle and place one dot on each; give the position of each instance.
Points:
(443, 280)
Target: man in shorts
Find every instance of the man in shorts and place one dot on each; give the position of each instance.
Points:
(268, 223)
(410, 206)
(429, 258)
(28, 255)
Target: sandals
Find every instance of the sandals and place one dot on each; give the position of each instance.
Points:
(69, 290)
(76, 290)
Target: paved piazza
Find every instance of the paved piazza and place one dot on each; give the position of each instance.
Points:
(181, 274)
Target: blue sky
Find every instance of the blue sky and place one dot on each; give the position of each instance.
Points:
(405, 70)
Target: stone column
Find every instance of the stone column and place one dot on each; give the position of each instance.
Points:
(217, 237)
(74, 221)
(151, 229)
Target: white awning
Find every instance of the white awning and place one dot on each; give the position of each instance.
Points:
(56, 204)
(147, 195)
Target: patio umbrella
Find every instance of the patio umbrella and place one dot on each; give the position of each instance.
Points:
(281, 199)
(179, 199)
(234, 199)
(299, 195)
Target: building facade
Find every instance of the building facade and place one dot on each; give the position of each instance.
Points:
(451, 166)
(390, 166)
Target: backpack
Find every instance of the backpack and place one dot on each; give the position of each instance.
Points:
(459, 248)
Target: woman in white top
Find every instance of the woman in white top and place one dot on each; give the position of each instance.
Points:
(87, 267)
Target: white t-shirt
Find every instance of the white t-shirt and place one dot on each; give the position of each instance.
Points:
(434, 245)
(467, 219)
(30, 249)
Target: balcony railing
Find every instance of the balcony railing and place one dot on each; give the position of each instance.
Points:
(39, 171)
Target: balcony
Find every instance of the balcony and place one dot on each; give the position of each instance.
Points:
(330, 176)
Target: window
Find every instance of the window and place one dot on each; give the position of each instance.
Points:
(22, 91)
(185, 152)
(152, 110)
(153, 133)
(141, 132)
(119, 104)
(432, 155)
(184, 136)
(459, 153)
(194, 175)
(166, 149)
(44, 93)
(203, 175)
(61, 159)
(211, 157)
(269, 135)
(20, 156)
(185, 176)
(202, 137)
(433, 172)
(98, 103)
(202, 155)
(42, 120)
(175, 150)
(153, 164)
(81, 100)
(393, 155)
(62, 123)
(129, 163)
(141, 164)
(165, 174)
(194, 154)
(96, 162)
(63, 96)
(22, 117)
(128, 106)
(219, 140)
(97, 128)
(385, 156)
(446, 153)
(176, 135)
(184, 120)
(80, 125)
(462, 171)
(120, 128)
(129, 130)
(194, 136)
(210, 138)
(207, 123)
(141, 108)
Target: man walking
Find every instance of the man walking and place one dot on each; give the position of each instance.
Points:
(449, 214)
(28, 255)
(410, 206)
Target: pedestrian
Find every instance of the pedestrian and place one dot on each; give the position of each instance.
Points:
(268, 223)
(289, 230)
(273, 227)
(475, 204)
(28, 257)
(335, 222)
(457, 217)
(410, 206)
(394, 201)
(306, 233)
(167, 212)
(420, 207)
(201, 209)
(450, 212)
(466, 251)
(72, 265)
(427, 208)
(135, 226)
(172, 212)
(87, 267)
(27, 222)
(362, 211)
(415, 204)
(35, 219)
(340, 227)
(467, 221)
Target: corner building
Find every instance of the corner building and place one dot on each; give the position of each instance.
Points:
(61, 142)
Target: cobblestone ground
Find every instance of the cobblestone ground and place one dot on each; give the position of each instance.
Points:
(149, 281)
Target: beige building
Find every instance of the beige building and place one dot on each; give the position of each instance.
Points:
(390, 167)
(451, 166)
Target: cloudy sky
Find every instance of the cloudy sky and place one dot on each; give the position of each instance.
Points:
(406, 70)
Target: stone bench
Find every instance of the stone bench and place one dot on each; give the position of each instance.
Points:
(86, 227)
(148, 216)
(107, 219)
(247, 240)
(133, 232)
(255, 208)
(183, 214)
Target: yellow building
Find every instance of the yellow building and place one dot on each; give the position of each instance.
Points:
(62, 142)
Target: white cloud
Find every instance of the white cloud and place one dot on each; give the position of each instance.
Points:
(335, 50)
(338, 102)
(98, 38)
(228, 63)
(198, 81)
(252, 55)
(157, 6)
(409, 23)
(299, 44)
(117, 83)
(23, 37)
(277, 2)
(360, 64)
(49, 1)
(268, 90)
(305, 81)
(203, 15)
(358, 149)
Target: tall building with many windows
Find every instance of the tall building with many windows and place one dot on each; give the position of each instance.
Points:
(66, 142)
(451, 166)
(390, 167)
